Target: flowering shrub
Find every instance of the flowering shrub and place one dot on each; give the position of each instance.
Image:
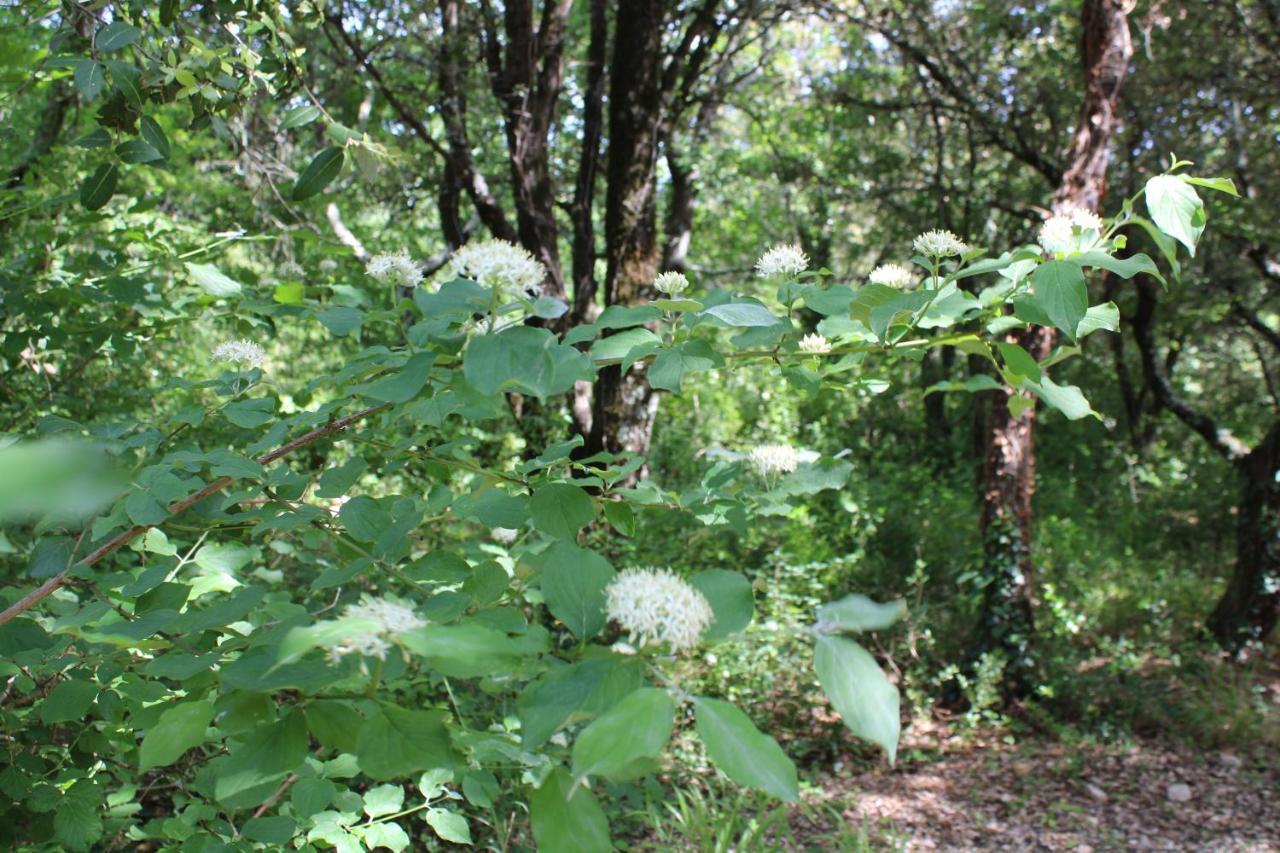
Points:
(289, 653)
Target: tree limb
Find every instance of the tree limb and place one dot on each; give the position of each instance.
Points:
(47, 588)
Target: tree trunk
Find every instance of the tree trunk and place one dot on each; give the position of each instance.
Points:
(528, 85)
(1250, 606)
(624, 406)
(1007, 624)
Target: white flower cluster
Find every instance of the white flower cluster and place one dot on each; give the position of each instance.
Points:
(656, 606)
(391, 618)
(501, 265)
(784, 260)
(939, 244)
(396, 268)
(815, 345)
(504, 535)
(671, 283)
(1072, 230)
(242, 352)
(892, 275)
(774, 459)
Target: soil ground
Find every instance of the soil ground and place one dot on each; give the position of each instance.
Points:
(967, 794)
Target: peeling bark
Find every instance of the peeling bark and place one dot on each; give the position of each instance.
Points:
(1009, 463)
(624, 405)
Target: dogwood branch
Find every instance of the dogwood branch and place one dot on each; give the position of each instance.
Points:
(108, 548)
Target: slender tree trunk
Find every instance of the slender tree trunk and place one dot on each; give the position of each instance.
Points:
(624, 406)
(1009, 462)
(528, 85)
(1250, 606)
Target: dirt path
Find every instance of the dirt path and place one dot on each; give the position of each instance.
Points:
(971, 795)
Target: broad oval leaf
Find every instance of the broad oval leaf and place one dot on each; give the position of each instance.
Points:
(395, 742)
(731, 599)
(1059, 291)
(320, 172)
(154, 136)
(568, 817)
(299, 116)
(1176, 209)
(98, 188)
(638, 727)
(858, 613)
(116, 35)
(213, 281)
(179, 729)
(573, 583)
(859, 691)
(744, 753)
(561, 509)
(742, 314)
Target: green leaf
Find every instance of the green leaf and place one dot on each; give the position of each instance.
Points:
(469, 650)
(154, 136)
(616, 347)
(621, 516)
(859, 691)
(340, 320)
(584, 688)
(403, 385)
(291, 293)
(1123, 267)
(383, 834)
(395, 743)
(731, 599)
(302, 639)
(1222, 185)
(143, 508)
(127, 79)
(96, 138)
(858, 613)
(1018, 361)
(1059, 291)
(897, 310)
(561, 509)
(1176, 209)
(299, 116)
(450, 826)
(70, 700)
(811, 478)
(269, 753)
(525, 359)
(116, 35)
(334, 724)
(98, 188)
(76, 822)
(90, 77)
(212, 281)
(672, 365)
(250, 413)
(1105, 316)
(566, 817)
(137, 151)
(573, 583)
(320, 172)
(382, 800)
(1068, 399)
(179, 729)
(277, 830)
(637, 727)
(744, 753)
(742, 314)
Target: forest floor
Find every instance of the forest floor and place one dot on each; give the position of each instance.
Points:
(969, 792)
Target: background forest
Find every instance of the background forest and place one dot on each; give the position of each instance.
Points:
(240, 232)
